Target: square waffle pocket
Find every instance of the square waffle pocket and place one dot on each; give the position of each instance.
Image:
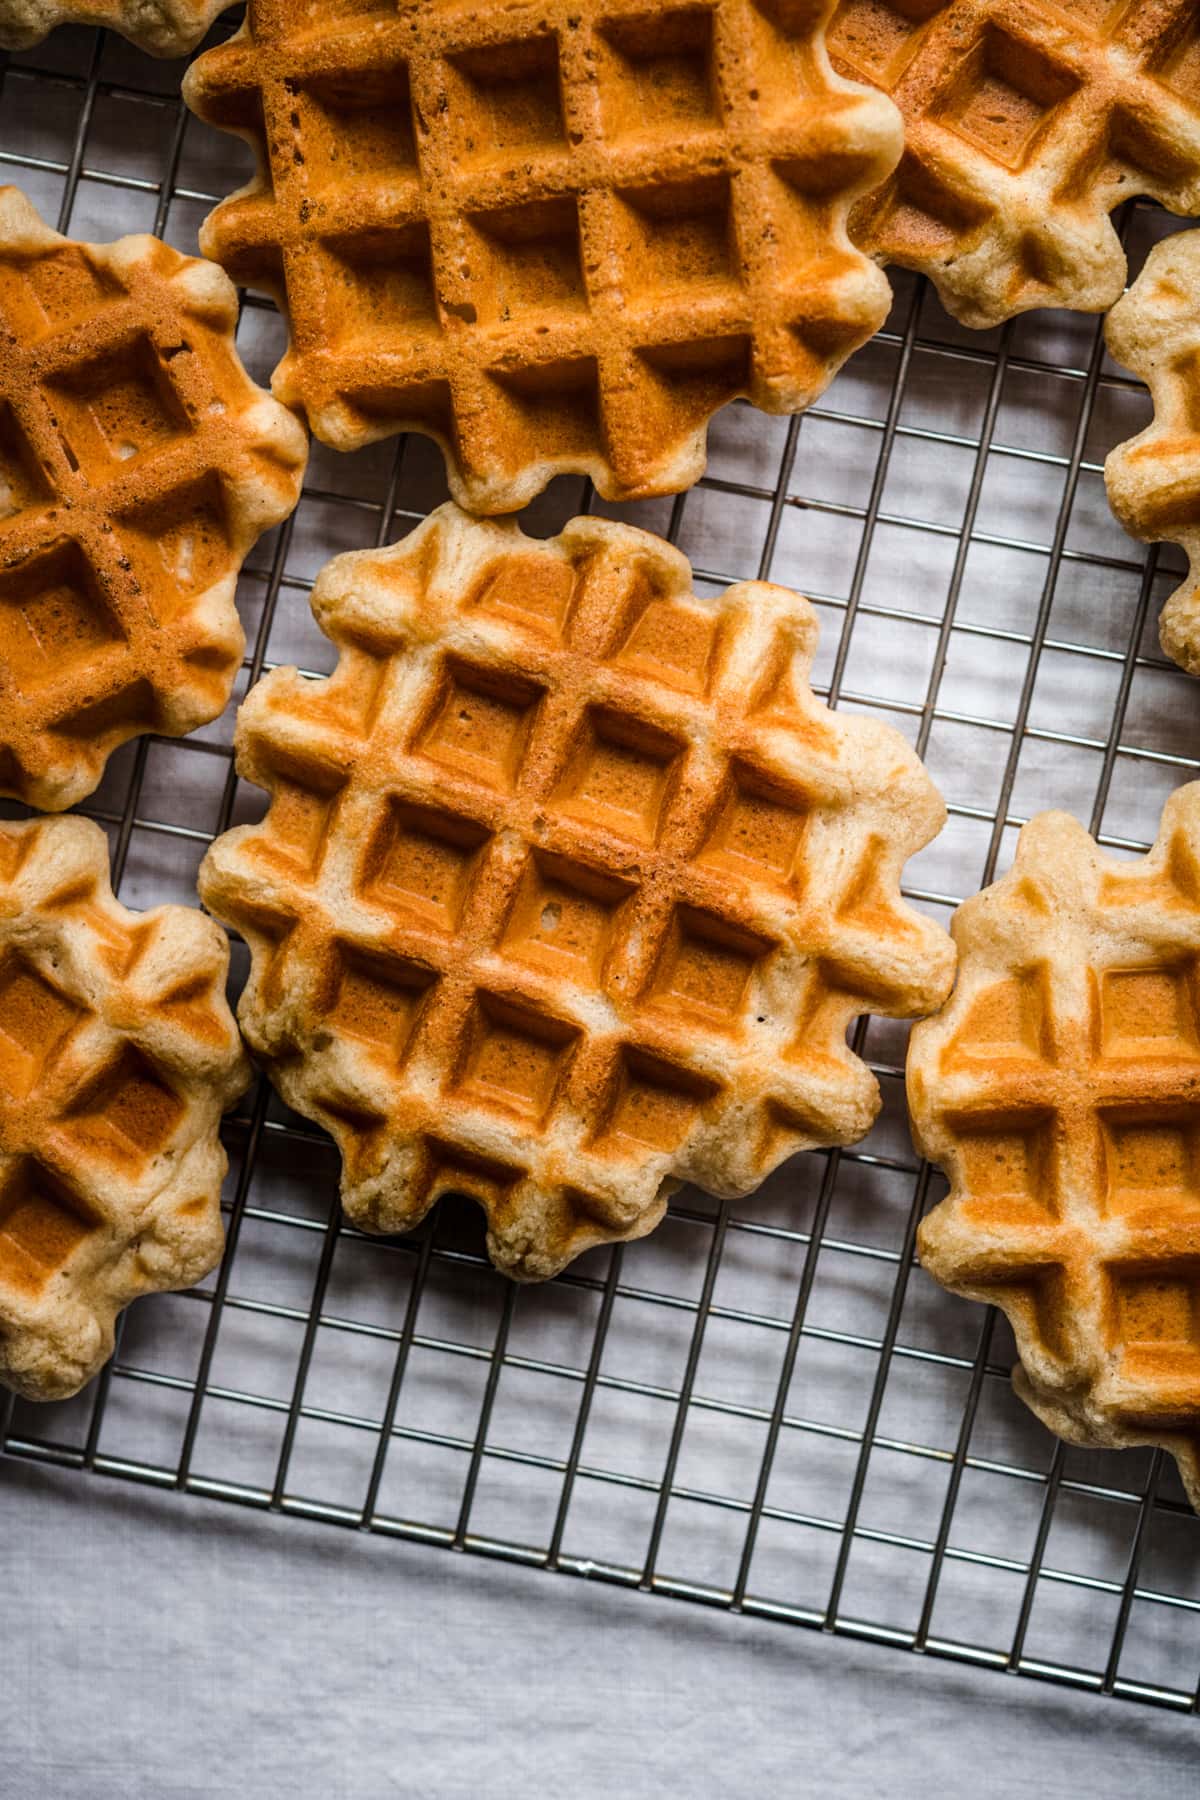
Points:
(555, 239)
(1060, 1091)
(569, 888)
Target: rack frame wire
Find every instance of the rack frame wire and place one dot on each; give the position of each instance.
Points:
(916, 1507)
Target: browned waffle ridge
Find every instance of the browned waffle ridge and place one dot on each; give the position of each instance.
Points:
(1060, 1091)
(1154, 479)
(118, 1054)
(138, 465)
(569, 888)
(1026, 122)
(554, 238)
(163, 27)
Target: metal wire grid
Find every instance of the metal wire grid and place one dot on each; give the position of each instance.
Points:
(767, 1408)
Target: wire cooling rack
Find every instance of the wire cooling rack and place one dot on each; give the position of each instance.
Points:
(766, 1406)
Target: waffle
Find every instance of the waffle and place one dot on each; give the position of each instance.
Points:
(118, 1055)
(1026, 122)
(554, 238)
(569, 888)
(1060, 1091)
(163, 27)
(138, 464)
(1154, 479)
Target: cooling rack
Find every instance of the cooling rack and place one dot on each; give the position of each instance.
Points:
(767, 1406)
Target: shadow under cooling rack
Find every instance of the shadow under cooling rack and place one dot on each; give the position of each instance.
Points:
(767, 1406)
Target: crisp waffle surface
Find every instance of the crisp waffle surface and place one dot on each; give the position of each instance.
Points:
(138, 465)
(164, 27)
(569, 888)
(554, 238)
(1154, 480)
(1060, 1091)
(118, 1054)
(1026, 122)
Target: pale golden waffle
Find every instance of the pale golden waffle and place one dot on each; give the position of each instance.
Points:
(1026, 122)
(1154, 479)
(569, 888)
(138, 465)
(554, 238)
(118, 1055)
(163, 27)
(1060, 1091)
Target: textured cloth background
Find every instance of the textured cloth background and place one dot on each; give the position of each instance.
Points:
(176, 1648)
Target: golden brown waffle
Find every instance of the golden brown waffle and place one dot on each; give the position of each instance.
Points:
(138, 465)
(1154, 479)
(1026, 122)
(553, 237)
(1060, 1091)
(569, 888)
(163, 27)
(118, 1055)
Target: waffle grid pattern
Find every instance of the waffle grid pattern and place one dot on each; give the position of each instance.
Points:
(973, 590)
(623, 880)
(118, 1054)
(138, 464)
(1026, 122)
(1059, 1090)
(1152, 481)
(553, 247)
